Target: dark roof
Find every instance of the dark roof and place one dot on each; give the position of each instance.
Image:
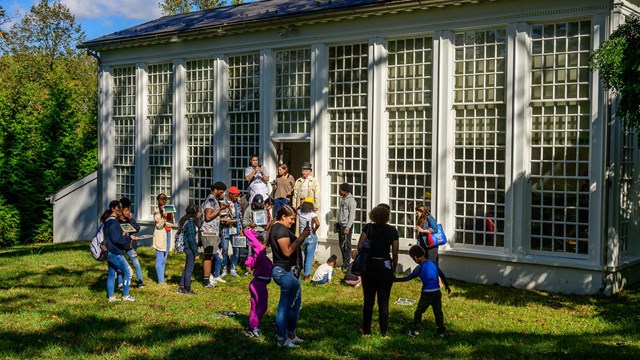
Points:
(259, 11)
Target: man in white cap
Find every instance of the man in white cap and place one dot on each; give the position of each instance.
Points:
(306, 186)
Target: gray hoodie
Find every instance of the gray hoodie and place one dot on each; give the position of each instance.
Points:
(347, 211)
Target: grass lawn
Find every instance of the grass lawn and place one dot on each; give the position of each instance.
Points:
(53, 305)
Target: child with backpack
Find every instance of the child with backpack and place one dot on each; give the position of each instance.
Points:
(189, 228)
(431, 295)
(262, 266)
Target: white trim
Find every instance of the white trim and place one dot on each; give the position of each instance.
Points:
(179, 171)
(378, 189)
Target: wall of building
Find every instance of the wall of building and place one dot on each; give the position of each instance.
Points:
(75, 210)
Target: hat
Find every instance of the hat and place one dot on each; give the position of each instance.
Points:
(306, 165)
(258, 201)
(234, 190)
(308, 200)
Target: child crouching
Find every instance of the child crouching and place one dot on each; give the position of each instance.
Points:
(262, 266)
(324, 272)
(429, 273)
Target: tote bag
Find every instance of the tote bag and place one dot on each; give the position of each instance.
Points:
(436, 239)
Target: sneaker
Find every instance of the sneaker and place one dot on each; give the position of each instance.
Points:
(257, 332)
(189, 292)
(181, 291)
(210, 285)
(140, 285)
(219, 280)
(114, 299)
(212, 278)
(252, 333)
(234, 273)
(288, 344)
(413, 333)
(128, 298)
(296, 340)
(224, 272)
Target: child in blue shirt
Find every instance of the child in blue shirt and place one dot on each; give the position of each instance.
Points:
(429, 273)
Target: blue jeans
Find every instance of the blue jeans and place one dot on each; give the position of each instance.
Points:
(218, 264)
(185, 280)
(133, 255)
(309, 249)
(117, 263)
(278, 203)
(161, 260)
(289, 304)
(324, 280)
(225, 253)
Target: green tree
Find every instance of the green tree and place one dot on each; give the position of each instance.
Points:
(47, 114)
(618, 63)
(173, 7)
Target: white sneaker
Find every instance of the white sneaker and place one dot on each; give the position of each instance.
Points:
(219, 280)
(288, 344)
(296, 340)
(234, 273)
(211, 278)
(224, 272)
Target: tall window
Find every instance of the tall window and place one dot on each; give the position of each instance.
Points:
(160, 121)
(293, 91)
(480, 136)
(409, 93)
(199, 98)
(244, 113)
(560, 131)
(124, 120)
(348, 123)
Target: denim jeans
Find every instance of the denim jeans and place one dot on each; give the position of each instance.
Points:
(324, 280)
(226, 240)
(117, 263)
(217, 266)
(278, 203)
(345, 246)
(133, 255)
(309, 249)
(185, 280)
(289, 304)
(161, 260)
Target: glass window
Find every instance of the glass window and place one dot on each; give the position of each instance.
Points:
(293, 91)
(124, 119)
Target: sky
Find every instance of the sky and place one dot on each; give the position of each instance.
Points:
(97, 17)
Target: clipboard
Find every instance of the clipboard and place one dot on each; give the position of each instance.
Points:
(127, 228)
(260, 217)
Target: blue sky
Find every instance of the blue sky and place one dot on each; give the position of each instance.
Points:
(97, 17)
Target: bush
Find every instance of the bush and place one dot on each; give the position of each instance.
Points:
(44, 230)
(9, 224)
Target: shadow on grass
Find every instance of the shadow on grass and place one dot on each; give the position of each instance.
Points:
(41, 249)
(330, 331)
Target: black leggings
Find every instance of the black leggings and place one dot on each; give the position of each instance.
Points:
(377, 280)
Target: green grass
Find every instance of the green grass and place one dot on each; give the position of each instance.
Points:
(53, 305)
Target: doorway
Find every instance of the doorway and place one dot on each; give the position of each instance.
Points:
(293, 154)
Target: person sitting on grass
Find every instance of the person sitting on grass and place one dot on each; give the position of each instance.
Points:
(429, 273)
(349, 277)
(324, 272)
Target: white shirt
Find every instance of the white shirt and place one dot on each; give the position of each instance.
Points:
(323, 270)
(305, 219)
(257, 185)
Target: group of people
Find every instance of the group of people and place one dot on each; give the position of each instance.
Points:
(267, 222)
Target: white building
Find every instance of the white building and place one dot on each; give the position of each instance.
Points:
(489, 105)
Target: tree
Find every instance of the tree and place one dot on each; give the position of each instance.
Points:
(47, 114)
(173, 7)
(618, 63)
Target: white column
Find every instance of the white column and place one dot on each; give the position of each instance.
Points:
(106, 173)
(179, 173)
(517, 206)
(268, 152)
(221, 129)
(142, 180)
(378, 190)
(319, 132)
